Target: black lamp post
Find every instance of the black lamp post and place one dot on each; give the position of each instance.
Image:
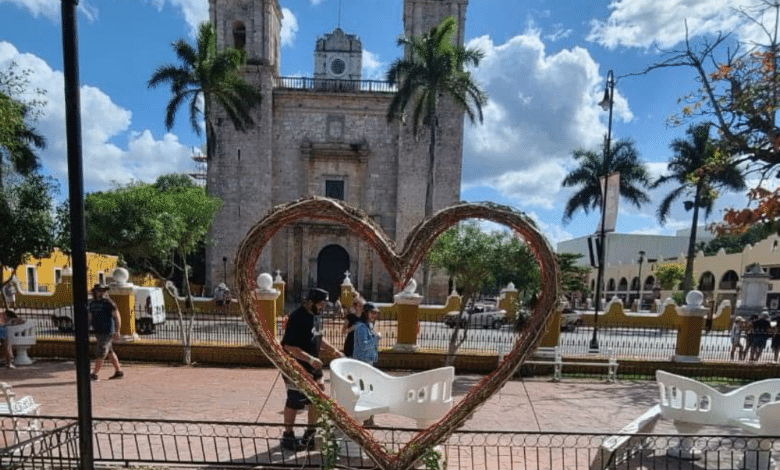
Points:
(639, 285)
(224, 266)
(606, 104)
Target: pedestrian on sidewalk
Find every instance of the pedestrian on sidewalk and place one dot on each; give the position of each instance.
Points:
(106, 322)
(302, 340)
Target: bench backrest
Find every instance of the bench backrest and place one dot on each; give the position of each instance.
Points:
(10, 406)
(23, 333)
(691, 401)
(424, 395)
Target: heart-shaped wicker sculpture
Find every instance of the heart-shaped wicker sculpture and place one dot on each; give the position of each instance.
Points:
(401, 266)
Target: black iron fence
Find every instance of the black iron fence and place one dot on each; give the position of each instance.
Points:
(484, 334)
(51, 442)
(332, 84)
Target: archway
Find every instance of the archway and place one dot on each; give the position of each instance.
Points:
(332, 262)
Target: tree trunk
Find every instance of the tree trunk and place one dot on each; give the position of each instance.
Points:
(429, 198)
(456, 343)
(688, 280)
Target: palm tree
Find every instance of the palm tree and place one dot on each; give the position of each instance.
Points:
(699, 171)
(622, 158)
(434, 67)
(210, 74)
(19, 140)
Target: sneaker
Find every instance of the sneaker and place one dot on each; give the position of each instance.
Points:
(93, 377)
(117, 375)
(289, 442)
(308, 439)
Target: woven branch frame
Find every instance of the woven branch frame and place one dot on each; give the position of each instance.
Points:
(400, 266)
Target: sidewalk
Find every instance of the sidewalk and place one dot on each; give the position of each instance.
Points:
(237, 394)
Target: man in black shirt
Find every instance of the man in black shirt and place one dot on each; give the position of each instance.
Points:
(105, 321)
(302, 340)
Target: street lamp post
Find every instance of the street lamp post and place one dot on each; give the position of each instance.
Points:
(606, 104)
(639, 286)
(224, 266)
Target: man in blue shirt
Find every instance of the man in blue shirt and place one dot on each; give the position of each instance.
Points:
(105, 321)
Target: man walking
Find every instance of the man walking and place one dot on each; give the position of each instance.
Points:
(105, 321)
(302, 340)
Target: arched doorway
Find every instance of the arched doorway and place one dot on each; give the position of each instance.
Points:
(332, 263)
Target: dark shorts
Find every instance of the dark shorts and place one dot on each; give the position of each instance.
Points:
(104, 342)
(759, 341)
(296, 400)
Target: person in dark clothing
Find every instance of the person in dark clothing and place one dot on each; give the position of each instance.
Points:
(105, 321)
(302, 340)
(761, 333)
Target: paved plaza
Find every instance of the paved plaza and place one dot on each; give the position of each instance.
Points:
(237, 394)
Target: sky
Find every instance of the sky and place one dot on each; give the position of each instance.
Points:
(544, 71)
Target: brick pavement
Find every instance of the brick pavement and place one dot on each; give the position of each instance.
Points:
(237, 394)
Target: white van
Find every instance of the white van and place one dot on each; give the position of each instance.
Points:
(149, 311)
(149, 308)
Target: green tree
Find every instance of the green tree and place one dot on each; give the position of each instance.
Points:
(210, 75)
(624, 159)
(27, 227)
(434, 68)
(700, 171)
(153, 227)
(574, 278)
(475, 260)
(669, 275)
(19, 139)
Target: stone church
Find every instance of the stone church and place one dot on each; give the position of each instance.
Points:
(324, 135)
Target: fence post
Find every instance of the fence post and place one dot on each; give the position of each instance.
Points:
(553, 334)
(279, 285)
(508, 301)
(121, 292)
(266, 301)
(691, 322)
(407, 308)
(346, 292)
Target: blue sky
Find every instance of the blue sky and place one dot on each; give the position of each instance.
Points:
(544, 71)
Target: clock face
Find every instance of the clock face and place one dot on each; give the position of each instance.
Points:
(337, 66)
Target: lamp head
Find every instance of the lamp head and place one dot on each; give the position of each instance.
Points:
(607, 101)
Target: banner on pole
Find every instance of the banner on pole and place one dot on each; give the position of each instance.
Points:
(612, 195)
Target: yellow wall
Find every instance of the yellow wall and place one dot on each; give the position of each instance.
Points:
(44, 270)
(615, 315)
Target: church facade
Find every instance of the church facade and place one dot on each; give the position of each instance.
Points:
(323, 135)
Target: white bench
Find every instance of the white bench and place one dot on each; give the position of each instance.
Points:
(12, 407)
(21, 337)
(365, 391)
(690, 405)
(557, 362)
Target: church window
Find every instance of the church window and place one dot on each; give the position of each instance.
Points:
(239, 35)
(337, 66)
(334, 189)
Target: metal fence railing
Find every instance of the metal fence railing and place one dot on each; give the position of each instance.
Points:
(333, 84)
(483, 335)
(202, 444)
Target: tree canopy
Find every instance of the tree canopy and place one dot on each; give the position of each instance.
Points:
(206, 75)
(622, 158)
(434, 67)
(18, 137)
(27, 227)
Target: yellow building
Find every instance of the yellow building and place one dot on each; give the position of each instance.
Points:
(718, 276)
(41, 275)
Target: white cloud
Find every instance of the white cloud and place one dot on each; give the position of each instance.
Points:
(316, 2)
(646, 23)
(195, 11)
(52, 9)
(106, 123)
(373, 68)
(289, 27)
(532, 125)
